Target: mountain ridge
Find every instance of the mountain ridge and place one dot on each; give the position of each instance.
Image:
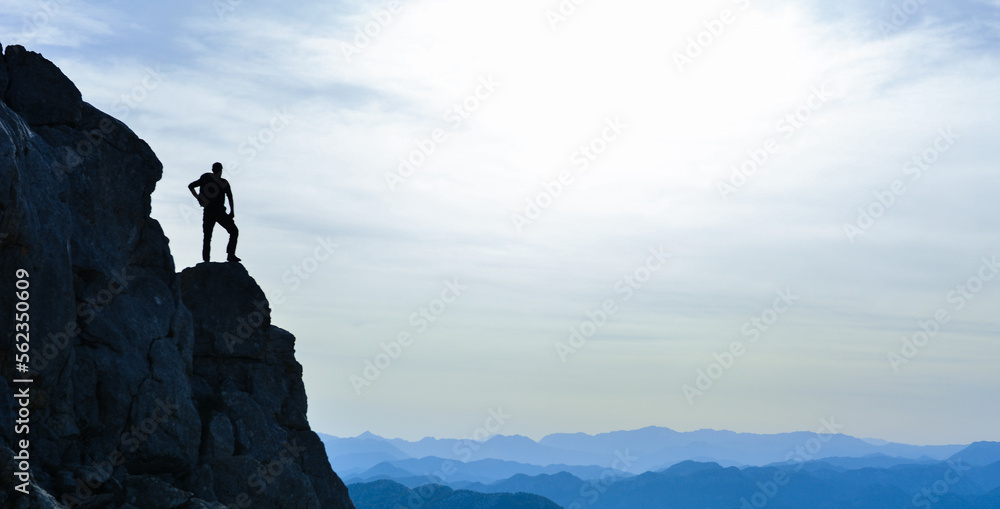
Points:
(654, 448)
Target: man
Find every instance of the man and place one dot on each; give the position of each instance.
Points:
(213, 189)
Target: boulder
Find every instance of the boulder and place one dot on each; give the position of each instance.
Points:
(38, 91)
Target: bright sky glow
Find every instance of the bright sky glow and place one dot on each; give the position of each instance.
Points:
(825, 106)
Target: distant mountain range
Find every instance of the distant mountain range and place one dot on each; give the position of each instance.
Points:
(646, 449)
(970, 479)
(431, 469)
(692, 485)
(648, 469)
(392, 495)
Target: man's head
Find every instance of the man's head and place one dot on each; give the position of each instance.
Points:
(217, 168)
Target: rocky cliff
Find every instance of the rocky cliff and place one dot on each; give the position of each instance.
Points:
(148, 389)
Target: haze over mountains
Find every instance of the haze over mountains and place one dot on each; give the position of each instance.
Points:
(661, 468)
(651, 448)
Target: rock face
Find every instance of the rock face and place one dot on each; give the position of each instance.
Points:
(249, 393)
(150, 390)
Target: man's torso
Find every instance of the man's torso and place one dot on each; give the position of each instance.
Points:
(212, 191)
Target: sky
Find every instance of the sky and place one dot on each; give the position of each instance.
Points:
(586, 215)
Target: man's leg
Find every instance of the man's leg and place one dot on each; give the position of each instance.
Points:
(227, 222)
(208, 224)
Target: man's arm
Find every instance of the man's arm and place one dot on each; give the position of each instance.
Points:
(229, 194)
(191, 187)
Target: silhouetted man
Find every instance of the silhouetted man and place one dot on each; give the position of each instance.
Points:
(213, 189)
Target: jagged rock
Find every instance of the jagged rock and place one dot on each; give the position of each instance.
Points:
(39, 91)
(221, 440)
(226, 325)
(3, 75)
(201, 504)
(137, 400)
(152, 493)
(248, 388)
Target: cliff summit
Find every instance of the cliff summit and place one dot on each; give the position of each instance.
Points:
(138, 387)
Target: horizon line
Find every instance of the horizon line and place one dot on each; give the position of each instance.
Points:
(869, 440)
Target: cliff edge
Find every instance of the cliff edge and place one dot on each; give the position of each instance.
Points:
(148, 389)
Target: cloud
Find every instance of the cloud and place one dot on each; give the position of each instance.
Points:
(231, 81)
(55, 22)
